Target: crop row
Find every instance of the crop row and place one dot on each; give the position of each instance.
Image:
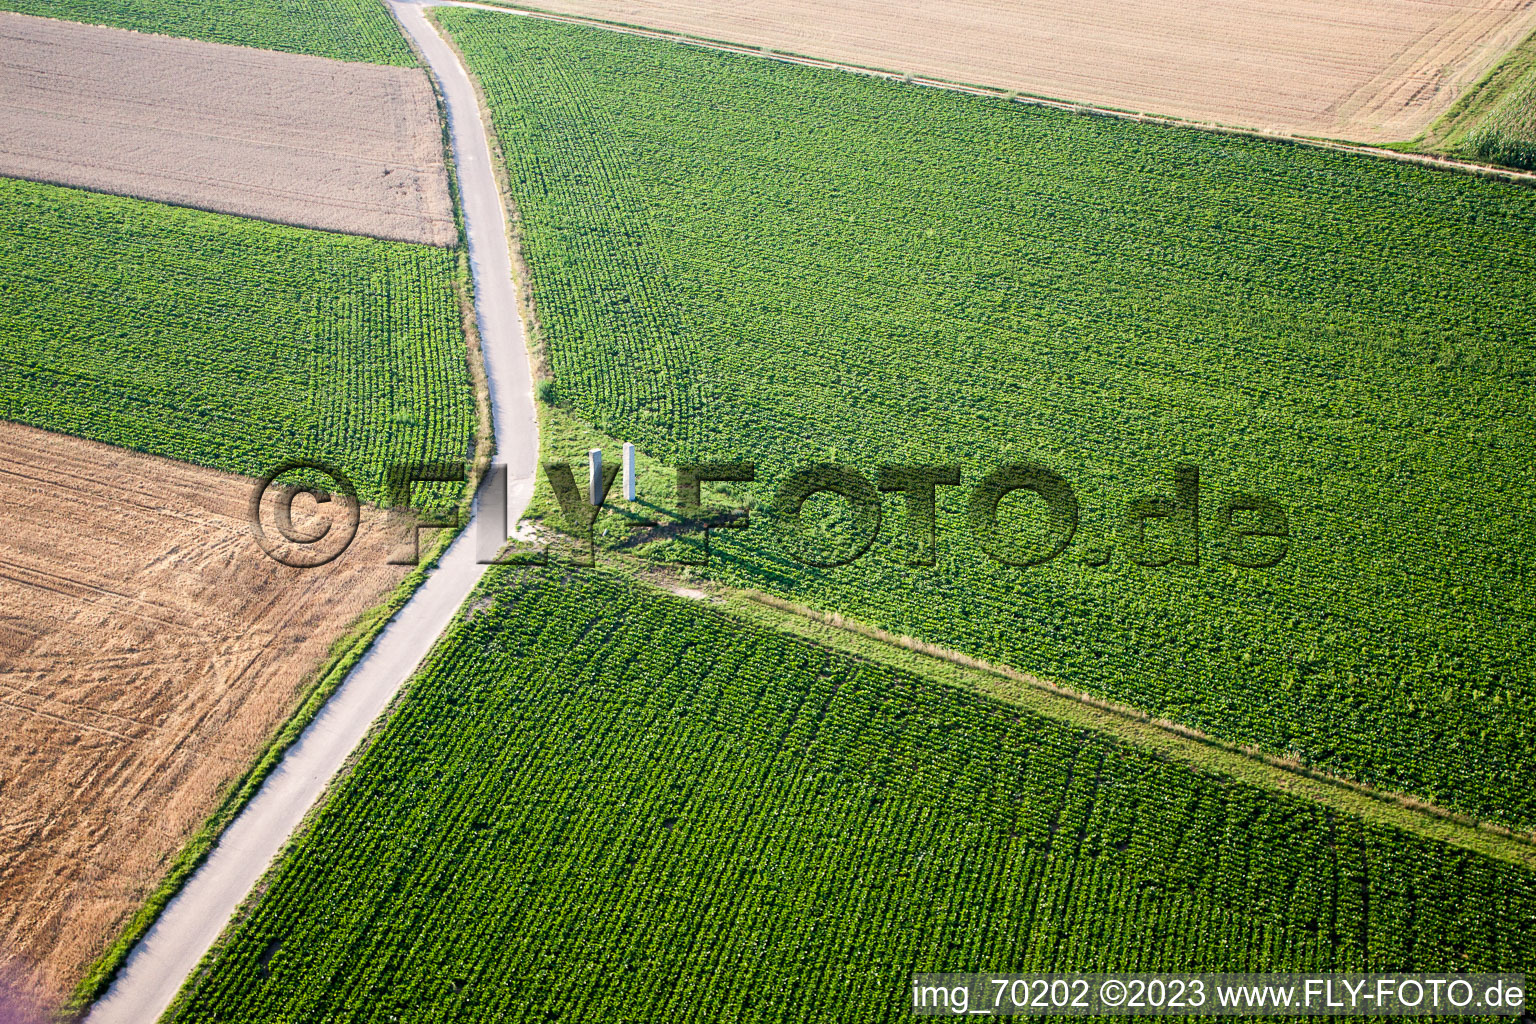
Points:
(1508, 134)
(596, 802)
(227, 342)
(739, 259)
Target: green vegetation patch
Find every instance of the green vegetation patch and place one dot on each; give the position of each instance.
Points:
(736, 258)
(232, 343)
(1495, 120)
(1508, 134)
(597, 802)
(360, 30)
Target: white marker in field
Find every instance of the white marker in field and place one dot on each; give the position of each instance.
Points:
(629, 471)
(595, 477)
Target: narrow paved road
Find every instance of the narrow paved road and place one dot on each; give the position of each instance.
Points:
(167, 955)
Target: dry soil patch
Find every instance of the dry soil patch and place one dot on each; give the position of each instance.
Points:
(279, 136)
(1364, 70)
(148, 648)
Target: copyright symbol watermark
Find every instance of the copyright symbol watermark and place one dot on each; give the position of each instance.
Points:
(328, 519)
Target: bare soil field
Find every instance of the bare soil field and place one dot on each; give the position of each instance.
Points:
(148, 650)
(1362, 70)
(278, 136)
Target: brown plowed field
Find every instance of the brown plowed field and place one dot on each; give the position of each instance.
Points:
(283, 137)
(148, 648)
(1363, 70)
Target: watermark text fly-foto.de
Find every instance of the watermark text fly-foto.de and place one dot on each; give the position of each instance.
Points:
(1219, 995)
(1239, 528)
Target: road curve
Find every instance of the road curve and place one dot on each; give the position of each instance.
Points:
(162, 961)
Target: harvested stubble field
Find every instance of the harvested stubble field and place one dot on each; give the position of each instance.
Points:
(283, 137)
(148, 649)
(1365, 70)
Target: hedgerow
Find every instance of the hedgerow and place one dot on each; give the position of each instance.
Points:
(597, 802)
(228, 342)
(740, 259)
(359, 30)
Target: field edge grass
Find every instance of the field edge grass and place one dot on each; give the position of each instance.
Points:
(1158, 737)
(1452, 133)
(561, 427)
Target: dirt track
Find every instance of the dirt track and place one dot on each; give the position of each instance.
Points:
(147, 650)
(192, 921)
(1363, 70)
(279, 136)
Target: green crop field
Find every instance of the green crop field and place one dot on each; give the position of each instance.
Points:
(360, 30)
(1508, 136)
(739, 259)
(232, 343)
(597, 802)
(1504, 129)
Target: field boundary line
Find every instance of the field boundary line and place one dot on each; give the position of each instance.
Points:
(1521, 847)
(344, 654)
(1473, 108)
(1161, 737)
(1167, 738)
(1434, 161)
